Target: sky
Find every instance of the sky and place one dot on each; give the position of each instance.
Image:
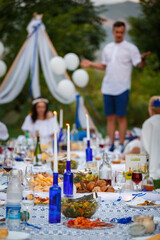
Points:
(98, 2)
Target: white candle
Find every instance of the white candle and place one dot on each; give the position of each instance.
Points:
(88, 130)
(55, 115)
(55, 153)
(61, 118)
(68, 142)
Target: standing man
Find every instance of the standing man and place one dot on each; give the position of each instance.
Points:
(117, 58)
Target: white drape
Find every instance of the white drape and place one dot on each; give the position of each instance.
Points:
(36, 46)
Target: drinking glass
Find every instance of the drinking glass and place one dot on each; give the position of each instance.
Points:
(137, 176)
(28, 172)
(27, 201)
(8, 166)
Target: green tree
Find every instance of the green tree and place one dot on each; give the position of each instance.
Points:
(73, 26)
(145, 29)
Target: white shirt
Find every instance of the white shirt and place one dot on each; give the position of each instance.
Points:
(151, 143)
(119, 58)
(45, 127)
(3, 132)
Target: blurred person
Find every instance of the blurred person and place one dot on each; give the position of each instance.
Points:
(41, 120)
(151, 136)
(3, 132)
(117, 59)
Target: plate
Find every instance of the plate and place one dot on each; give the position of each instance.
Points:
(110, 225)
(135, 202)
(12, 235)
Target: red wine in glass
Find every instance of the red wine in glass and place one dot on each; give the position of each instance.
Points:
(10, 149)
(7, 168)
(102, 145)
(136, 177)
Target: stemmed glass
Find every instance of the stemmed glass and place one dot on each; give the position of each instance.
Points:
(137, 176)
(8, 166)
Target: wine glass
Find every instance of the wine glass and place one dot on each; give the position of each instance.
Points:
(28, 172)
(137, 176)
(8, 166)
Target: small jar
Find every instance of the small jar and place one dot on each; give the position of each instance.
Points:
(147, 221)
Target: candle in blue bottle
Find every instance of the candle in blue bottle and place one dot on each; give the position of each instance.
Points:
(88, 149)
(68, 175)
(55, 191)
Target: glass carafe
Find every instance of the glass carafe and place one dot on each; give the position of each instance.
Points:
(105, 170)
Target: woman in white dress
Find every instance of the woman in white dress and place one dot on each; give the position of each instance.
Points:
(41, 120)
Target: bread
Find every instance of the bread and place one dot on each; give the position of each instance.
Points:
(156, 237)
(90, 186)
(3, 233)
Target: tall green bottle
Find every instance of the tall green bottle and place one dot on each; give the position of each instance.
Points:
(38, 152)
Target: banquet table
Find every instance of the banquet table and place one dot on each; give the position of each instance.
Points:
(109, 208)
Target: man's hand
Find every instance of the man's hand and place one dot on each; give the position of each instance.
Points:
(144, 55)
(85, 63)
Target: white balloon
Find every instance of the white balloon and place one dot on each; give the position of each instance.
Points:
(72, 61)
(66, 88)
(58, 65)
(3, 68)
(1, 48)
(80, 78)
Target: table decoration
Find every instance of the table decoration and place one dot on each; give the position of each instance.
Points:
(68, 175)
(55, 191)
(88, 149)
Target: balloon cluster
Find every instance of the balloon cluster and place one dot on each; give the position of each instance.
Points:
(3, 66)
(80, 77)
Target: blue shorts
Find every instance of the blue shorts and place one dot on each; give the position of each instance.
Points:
(116, 104)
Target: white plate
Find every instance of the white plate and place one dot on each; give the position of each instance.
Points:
(134, 203)
(18, 235)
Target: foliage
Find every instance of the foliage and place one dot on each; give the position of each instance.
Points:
(145, 28)
(72, 25)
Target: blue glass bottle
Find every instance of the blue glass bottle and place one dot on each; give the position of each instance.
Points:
(88, 152)
(68, 181)
(55, 201)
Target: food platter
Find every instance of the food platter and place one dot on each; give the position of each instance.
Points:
(83, 223)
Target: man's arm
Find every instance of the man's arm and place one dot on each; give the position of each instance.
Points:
(86, 63)
(143, 58)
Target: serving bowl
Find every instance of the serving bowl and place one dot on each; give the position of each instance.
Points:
(79, 207)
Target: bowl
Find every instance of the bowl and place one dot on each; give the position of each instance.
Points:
(62, 165)
(79, 207)
(84, 176)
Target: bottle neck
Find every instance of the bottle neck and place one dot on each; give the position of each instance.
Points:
(55, 178)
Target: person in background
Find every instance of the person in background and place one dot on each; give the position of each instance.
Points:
(41, 120)
(117, 59)
(151, 136)
(3, 132)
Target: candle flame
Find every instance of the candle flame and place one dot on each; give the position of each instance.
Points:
(67, 124)
(86, 115)
(54, 112)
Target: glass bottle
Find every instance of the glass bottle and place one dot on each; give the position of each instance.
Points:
(55, 201)
(74, 133)
(105, 170)
(38, 152)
